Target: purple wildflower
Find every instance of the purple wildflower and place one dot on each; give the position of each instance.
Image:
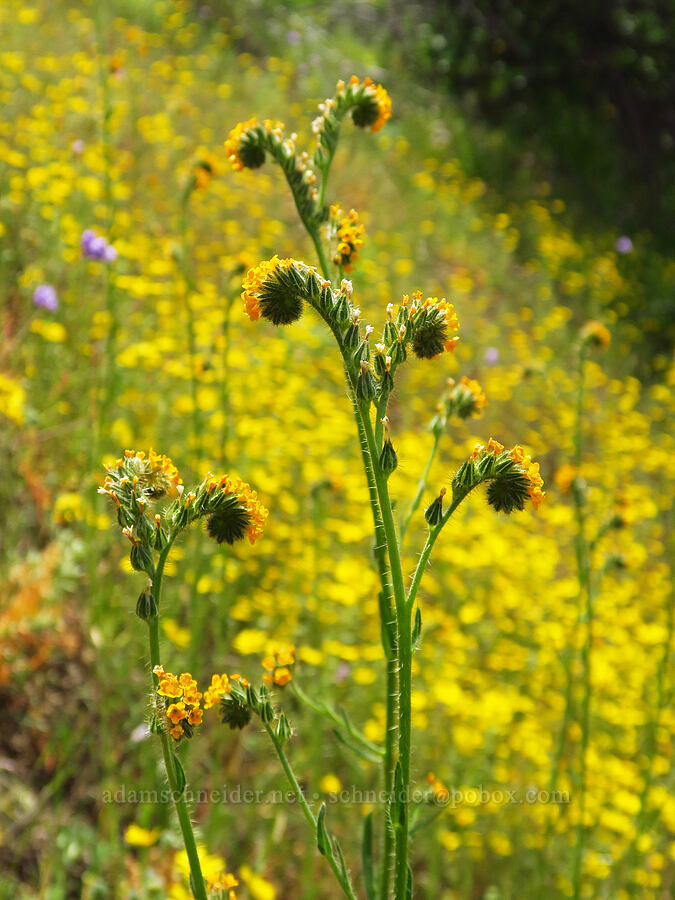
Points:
(96, 247)
(624, 244)
(44, 296)
(77, 146)
(492, 356)
(293, 37)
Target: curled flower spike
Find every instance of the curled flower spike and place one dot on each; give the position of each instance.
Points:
(371, 102)
(275, 290)
(247, 147)
(350, 238)
(467, 398)
(133, 482)
(245, 144)
(430, 326)
(511, 475)
(369, 105)
(231, 508)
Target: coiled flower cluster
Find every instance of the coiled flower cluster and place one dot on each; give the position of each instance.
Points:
(277, 288)
(247, 146)
(231, 508)
(181, 703)
(350, 237)
(368, 103)
(511, 475)
(136, 480)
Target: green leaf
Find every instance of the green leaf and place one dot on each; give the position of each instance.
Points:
(341, 860)
(322, 839)
(417, 628)
(358, 749)
(181, 781)
(367, 857)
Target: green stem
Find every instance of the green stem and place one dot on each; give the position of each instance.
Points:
(420, 489)
(304, 806)
(167, 750)
(380, 554)
(404, 646)
(428, 547)
(320, 252)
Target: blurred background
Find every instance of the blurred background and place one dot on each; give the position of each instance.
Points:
(526, 175)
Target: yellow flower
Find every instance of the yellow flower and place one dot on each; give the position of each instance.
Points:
(350, 237)
(141, 837)
(330, 784)
(176, 712)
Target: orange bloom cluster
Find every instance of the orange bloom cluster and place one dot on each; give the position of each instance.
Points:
(249, 498)
(474, 388)
(374, 92)
(224, 885)
(220, 685)
(241, 131)
(443, 313)
(350, 237)
(536, 482)
(493, 447)
(186, 711)
(255, 279)
(277, 665)
(154, 475)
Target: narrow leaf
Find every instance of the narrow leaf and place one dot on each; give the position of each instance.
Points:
(362, 752)
(367, 857)
(180, 774)
(417, 628)
(322, 839)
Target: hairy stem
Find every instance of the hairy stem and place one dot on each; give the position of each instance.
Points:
(167, 750)
(404, 647)
(307, 812)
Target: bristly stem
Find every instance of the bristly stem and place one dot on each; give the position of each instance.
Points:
(343, 880)
(199, 887)
(388, 613)
(404, 648)
(428, 547)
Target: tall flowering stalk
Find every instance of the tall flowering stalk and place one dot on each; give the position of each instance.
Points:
(153, 509)
(279, 290)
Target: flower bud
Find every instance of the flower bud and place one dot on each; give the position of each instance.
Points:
(365, 388)
(434, 512)
(141, 559)
(282, 728)
(146, 607)
(388, 458)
